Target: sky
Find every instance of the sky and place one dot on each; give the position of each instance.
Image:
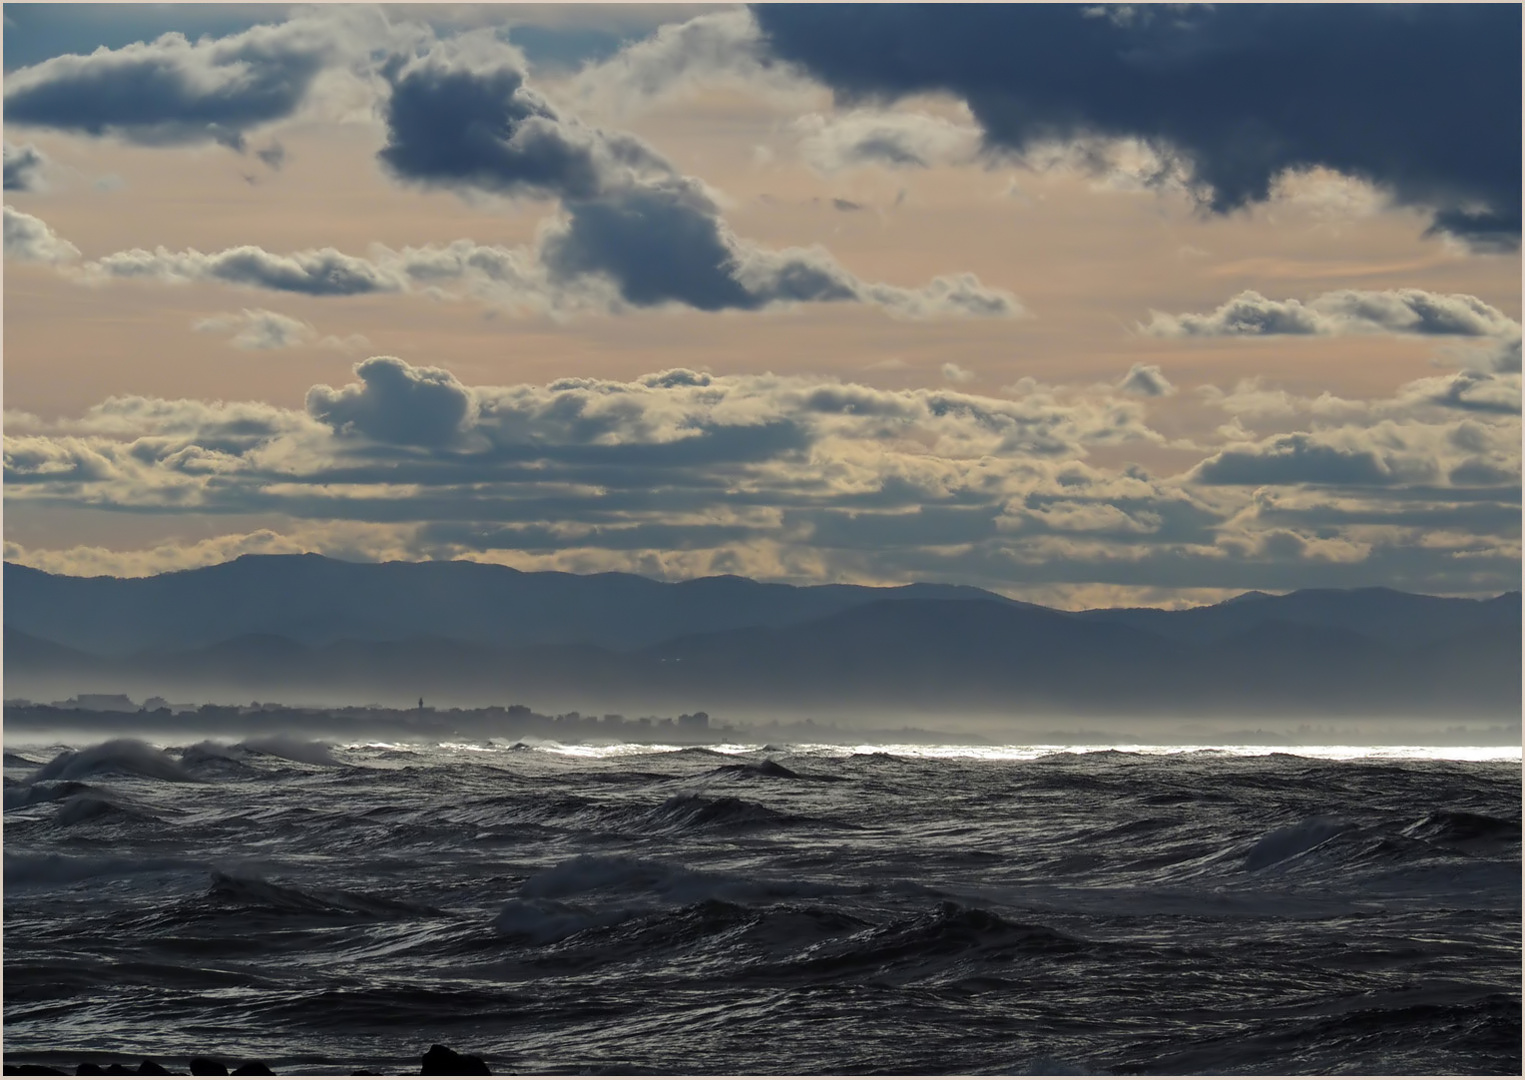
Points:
(1090, 306)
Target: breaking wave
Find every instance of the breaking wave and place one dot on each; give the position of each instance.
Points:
(117, 756)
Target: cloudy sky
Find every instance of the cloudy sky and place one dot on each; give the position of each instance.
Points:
(1086, 305)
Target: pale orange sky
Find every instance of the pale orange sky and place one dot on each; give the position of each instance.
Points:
(1087, 262)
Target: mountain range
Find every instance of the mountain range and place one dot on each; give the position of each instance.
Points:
(284, 626)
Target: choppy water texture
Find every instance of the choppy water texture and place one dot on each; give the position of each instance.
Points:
(761, 910)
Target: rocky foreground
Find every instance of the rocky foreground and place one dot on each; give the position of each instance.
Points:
(438, 1061)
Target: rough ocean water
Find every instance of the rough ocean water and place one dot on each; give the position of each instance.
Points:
(746, 909)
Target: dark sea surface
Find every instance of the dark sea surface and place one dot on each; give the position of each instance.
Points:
(746, 909)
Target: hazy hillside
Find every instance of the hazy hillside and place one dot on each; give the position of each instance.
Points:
(1395, 618)
(1355, 653)
(316, 600)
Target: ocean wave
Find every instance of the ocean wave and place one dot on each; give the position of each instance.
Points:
(53, 868)
(726, 938)
(726, 812)
(769, 769)
(568, 913)
(130, 756)
(291, 748)
(941, 936)
(257, 893)
(284, 747)
(544, 922)
(624, 875)
(78, 809)
(1281, 844)
(1462, 827)
(24, 795)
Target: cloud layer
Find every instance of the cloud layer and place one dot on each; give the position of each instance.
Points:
(894, 140)
(28, 239)
(23, 167)
(258, 330)
(798, 478)
(609, 256)
(1346, 311)
(462, 117)
(1422, 101)
(174, 91)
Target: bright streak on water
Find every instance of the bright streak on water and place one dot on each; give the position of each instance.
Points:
(1011, 752)
(1325, 753)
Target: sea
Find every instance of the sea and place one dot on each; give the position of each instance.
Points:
(331, 907)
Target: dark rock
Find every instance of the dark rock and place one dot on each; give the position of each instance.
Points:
(443, 1061)
(208, 1067)
(89, 1068)
(152, 1068)
(116, 1068)
(33, 1070)
(253, 1068)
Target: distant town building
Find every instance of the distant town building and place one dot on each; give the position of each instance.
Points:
(99, 703)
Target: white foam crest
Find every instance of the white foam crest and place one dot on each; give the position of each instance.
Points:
(292, 748)
(631, 749)
(210, 749)
(1030, 752)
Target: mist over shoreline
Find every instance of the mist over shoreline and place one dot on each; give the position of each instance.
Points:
(1360, 665)
(26, 722)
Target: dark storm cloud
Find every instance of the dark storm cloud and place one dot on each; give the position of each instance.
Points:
(1297, 458)
(462, 117)
(1480, 391)
(1500, 518)
(22, 166)
(1422, 100)
(470, 122)
(168, 90)
(1344, 311)
(172, 90)
(395, 402)
(457, 126)
(658, 245)
(1146, 380)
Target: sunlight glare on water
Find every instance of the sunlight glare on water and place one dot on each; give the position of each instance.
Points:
(1006, 752)
(1327, 753)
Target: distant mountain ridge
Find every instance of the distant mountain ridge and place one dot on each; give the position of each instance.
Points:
(317, 600)
(289, 625)
(1386, 615)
